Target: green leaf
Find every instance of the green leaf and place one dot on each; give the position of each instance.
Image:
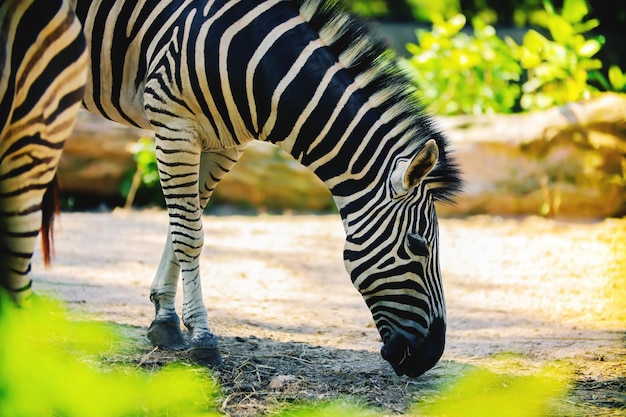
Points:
(531, 86)
(560, 29)
(427, 40)
(590, 64)
(150, 178)
(549, 7)
(453, 26)
(589, 48)
(584, 27)
(617, 78)
(574, 10)
(598, 77)
(482, 29)
(543, 101)
(413, 49)
(547, 72)
(478, 24)
(528, 59)
(538, 18)
(558, 55)
(464, 60)
(534, 41)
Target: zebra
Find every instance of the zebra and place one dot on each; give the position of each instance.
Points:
(210, 76)
(43, 72)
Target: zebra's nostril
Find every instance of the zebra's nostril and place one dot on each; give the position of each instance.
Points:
(385, 337)
(412, 357)
(398, 349)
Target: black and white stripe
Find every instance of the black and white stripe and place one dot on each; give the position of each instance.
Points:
(210, 76)
(43, 68)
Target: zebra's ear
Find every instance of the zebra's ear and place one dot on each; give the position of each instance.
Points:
(408, 174)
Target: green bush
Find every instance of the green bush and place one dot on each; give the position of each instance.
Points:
(142, 186)
(49, 366)
(404, 9)
(559, 70)
(455, 72)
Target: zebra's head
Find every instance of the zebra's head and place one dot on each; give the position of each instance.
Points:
(391, 254)
(346, 109)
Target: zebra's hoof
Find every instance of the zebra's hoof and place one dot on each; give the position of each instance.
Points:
(166, 334)
(210, 357)
(205, 351)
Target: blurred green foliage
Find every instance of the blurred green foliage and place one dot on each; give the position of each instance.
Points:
(142, 186)
(52, 364)
(503, 12)
(49, 367)
(508, 11)
(559, 70)
(483, 393)
(427, 10)
(562, 61)
(617, 80)
(144, 152)
(455, 72)
(459, 73)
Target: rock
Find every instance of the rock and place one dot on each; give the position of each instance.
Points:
(566, 161)
(97, 156)
(282, 381)
(267, 177)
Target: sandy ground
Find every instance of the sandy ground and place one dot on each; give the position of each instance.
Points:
(293, 328)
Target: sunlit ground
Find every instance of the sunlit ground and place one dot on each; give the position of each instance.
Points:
(615, 287)
(536, 320)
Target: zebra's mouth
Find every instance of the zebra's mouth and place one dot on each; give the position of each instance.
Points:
(412, 357)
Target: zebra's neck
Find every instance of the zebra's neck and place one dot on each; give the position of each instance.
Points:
(345, 142)
(318, 85)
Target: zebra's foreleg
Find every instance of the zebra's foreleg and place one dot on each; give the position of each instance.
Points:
(164, 331)
(178, 158)
(213, 166)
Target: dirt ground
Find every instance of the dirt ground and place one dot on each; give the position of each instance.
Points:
(293, 328)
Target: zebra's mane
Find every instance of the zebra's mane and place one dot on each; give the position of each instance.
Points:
(367, 56)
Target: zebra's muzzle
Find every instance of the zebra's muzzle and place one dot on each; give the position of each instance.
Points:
(412, 357)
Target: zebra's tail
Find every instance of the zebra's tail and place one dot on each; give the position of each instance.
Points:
(50, 207)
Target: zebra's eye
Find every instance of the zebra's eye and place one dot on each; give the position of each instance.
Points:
(418, 245)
